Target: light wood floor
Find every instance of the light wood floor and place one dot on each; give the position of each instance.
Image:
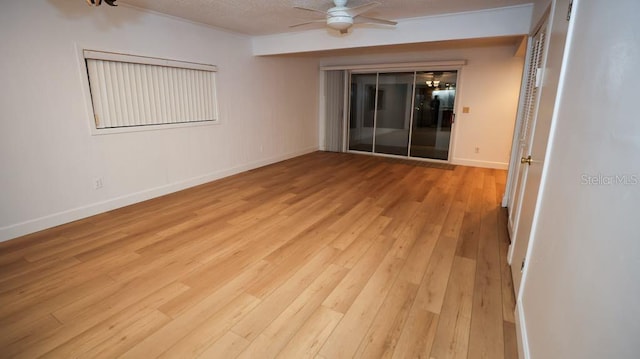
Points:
(323, 256)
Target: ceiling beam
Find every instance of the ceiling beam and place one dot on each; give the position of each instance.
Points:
(505, 21)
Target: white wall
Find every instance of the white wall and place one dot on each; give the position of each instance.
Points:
(582, 281)
(489, 86)
(48, 158)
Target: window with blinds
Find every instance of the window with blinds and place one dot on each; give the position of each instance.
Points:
(133, 91)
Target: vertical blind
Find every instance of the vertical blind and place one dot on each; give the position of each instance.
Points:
(531, 91)
(334, 111)
(130, 90)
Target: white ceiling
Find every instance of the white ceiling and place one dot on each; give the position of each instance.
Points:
(263, 17)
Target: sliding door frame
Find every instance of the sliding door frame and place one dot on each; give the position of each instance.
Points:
(347, 110)
(413, 106)
(393, 68)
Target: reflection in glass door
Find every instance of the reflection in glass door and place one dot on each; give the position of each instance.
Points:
(403, 113)
(393, 117)
(362, 111)
(433, 114)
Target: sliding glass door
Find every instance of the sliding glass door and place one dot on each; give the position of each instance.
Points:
(407, 114)
(433, 114)
(362, 112)
(393, 115)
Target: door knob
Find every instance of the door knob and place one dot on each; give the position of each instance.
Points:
(526, 160)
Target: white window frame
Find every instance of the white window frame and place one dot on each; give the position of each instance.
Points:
(84, 53)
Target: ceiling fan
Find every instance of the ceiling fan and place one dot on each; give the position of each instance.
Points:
(99, 2)
(341, 18)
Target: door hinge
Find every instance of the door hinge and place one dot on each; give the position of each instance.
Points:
(522, 266)
(569, 10)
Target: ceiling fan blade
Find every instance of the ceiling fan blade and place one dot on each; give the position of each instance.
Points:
(311, 9)
(373, 20)
(361, 9)
(309, 22)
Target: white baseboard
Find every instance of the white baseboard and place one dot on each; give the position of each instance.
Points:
(74, 214)
(483, 164)
(521, 332)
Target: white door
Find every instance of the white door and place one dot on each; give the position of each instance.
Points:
(524, 179)
(547, 75)
(525, 136)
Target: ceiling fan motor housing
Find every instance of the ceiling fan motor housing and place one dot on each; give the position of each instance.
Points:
(338, 18)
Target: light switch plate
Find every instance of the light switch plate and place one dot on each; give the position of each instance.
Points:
(465, 110)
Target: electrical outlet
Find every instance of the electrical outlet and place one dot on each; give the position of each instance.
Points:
(97, 183)
(477, 150)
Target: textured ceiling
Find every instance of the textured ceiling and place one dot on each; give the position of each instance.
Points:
(263, 17)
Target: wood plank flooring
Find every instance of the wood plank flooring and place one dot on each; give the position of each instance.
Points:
(322, 256)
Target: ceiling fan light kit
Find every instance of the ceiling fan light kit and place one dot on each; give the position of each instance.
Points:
(341, 23)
